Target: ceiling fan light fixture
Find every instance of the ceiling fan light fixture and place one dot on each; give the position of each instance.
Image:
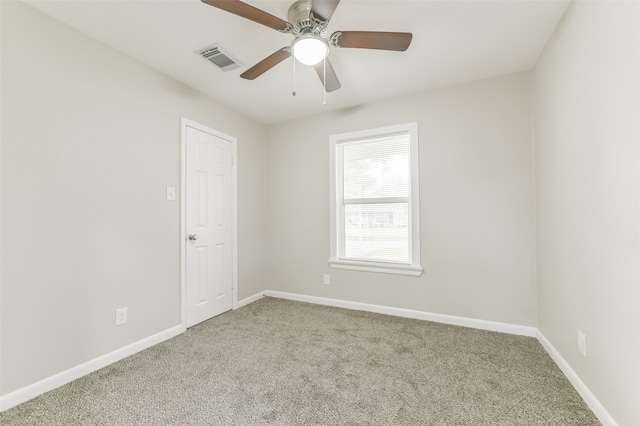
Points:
(310, 49)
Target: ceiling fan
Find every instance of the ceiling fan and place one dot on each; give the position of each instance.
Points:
(308, 20)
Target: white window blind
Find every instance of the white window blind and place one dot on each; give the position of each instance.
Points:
(373, 186)
(375, 175)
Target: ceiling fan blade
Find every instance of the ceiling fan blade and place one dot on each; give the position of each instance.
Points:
(372, 40)
(332, 79)
(252, 13)
(323, 9)
(266, 64)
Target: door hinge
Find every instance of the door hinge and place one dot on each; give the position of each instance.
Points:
(232, 161)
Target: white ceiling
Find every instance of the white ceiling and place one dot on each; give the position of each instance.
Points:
(453, 42)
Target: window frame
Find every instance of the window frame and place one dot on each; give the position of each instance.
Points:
(336, 203)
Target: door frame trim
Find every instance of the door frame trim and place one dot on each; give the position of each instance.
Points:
(184, 124)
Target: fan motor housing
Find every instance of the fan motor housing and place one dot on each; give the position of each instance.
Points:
(299, 11)
(303, 22)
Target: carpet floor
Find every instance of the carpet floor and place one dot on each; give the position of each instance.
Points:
(279, 362)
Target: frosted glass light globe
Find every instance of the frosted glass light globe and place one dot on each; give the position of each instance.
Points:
(310, 50)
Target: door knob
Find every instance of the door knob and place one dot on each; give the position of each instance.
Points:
(193, 237)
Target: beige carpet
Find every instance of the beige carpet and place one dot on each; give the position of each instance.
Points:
(290, 363)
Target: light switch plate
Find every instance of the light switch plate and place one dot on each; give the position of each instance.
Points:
(171, 193)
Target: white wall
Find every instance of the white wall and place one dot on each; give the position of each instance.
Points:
(587, 137)
(476, 194)
(90, 139)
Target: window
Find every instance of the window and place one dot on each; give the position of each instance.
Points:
(374, 200)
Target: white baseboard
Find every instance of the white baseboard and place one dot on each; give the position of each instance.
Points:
(28, 392)
(598, 409)
(250, 299)
(31, 391)
(521, 330)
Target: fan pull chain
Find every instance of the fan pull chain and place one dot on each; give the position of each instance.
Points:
(324, 81)
(294, 75)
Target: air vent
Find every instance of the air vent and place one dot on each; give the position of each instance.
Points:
(220, 57)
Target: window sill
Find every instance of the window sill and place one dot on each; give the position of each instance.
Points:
(380, 267)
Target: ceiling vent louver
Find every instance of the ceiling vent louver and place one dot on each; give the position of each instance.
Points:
(220, 57)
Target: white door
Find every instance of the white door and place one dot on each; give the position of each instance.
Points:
(208, 247)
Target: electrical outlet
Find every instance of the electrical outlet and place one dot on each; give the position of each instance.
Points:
(326, 279)
(582, 343)
(121, 316)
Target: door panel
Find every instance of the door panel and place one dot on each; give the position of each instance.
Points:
(208, 195)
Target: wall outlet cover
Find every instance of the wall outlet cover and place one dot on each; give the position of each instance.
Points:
(582, 343)
(121, 316)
